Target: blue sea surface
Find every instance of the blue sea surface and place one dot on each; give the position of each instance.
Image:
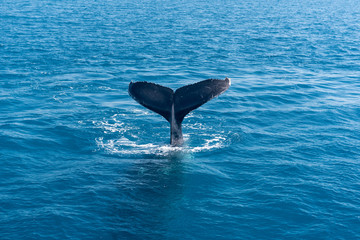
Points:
(277, 156)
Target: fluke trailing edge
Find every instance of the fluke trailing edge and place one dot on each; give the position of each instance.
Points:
(174, 106)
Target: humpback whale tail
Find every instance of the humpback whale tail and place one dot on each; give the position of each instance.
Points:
(174, 106)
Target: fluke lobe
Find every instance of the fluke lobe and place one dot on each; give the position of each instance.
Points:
(174, 106)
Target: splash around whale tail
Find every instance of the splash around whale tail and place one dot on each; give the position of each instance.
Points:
(174, 106)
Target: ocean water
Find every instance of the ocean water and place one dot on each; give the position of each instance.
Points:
(277, 156)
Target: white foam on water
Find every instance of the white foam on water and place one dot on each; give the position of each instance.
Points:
(113, 125)
(125, 146)
(214, 143)
(121, 138)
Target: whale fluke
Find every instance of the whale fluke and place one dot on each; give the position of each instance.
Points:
(174, 106)
(153, 96)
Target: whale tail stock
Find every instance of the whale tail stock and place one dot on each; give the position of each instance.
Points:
(174, 106)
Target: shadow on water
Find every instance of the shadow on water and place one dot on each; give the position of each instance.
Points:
(150, 193)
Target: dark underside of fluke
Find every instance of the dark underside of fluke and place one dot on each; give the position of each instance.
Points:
(174, 106)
